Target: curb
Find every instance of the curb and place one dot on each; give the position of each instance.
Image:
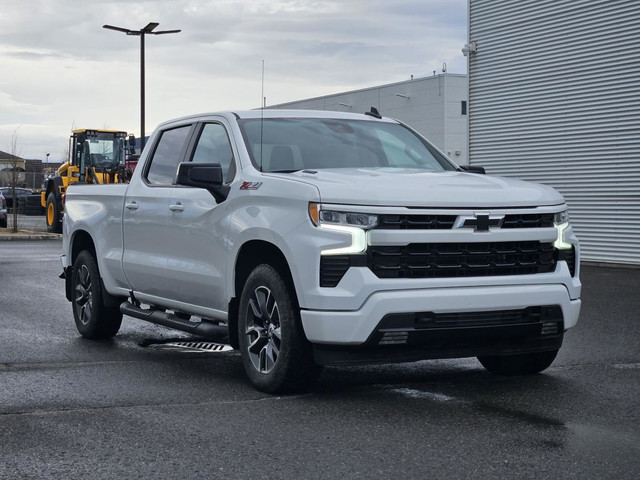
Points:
(29, 236)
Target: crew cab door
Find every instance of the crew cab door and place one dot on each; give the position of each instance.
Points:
(146, 215)
(198, 226)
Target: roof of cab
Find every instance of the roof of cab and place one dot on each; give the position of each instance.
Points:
(277, 113)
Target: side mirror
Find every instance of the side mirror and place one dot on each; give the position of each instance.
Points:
(202, 175)
(132, 144)
(473, 169)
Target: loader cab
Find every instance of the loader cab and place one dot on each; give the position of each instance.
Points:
(95, 156)
(98, 155)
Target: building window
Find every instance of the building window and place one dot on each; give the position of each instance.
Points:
(464, 107)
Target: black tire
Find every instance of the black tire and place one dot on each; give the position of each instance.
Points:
(22, 202)
(33, 201)
(93, 319)
(522, 364)
(33, 206)
(52, 214)
(276, 355)
(3, 223)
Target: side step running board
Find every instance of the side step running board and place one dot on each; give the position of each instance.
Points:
(203, 329)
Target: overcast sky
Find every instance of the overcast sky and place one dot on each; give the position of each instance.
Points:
(60, 69)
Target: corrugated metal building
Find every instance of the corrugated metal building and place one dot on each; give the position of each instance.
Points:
(554, 91)
(436, 106)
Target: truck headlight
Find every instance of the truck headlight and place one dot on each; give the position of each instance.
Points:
(321, 216)
(353, 223)
(561, 217)
(561, 222)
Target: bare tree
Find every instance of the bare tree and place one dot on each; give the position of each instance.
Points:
(14, 164)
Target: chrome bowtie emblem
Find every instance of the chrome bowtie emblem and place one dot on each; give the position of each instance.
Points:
(480, 222)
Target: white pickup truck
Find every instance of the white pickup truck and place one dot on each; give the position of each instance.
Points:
(322, 238)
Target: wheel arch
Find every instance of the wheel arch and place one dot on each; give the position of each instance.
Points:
(250, 255)
(81, 241)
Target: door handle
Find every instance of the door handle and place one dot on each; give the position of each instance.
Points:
(177, 207)
(131, 206)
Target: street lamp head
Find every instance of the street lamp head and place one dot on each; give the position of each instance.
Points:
(146, 30)
(166, 31)
(150, 27)
(117, 29)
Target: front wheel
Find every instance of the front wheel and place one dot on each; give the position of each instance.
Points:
(522, 364)
(93, 319)
(276, 355)
(54, 223)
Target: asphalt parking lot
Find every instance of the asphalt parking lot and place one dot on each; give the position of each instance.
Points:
(72, 408)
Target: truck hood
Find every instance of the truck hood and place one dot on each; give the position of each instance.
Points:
(411, 188)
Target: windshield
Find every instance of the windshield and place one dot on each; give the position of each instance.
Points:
(105, 150)
(291, 144)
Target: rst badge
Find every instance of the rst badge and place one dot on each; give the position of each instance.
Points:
(250, 185)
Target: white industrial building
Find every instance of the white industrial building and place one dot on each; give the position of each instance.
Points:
(554, 97)
(436, 106)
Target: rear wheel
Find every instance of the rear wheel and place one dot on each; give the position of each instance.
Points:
(33, 206)
(522, 364)
(276, 355)
(54, 222)
(93, 319)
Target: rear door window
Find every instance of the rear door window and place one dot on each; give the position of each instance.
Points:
(168, 153)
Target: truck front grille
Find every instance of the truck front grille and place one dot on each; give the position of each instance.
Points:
(547, 316)
(446, 222)
(468, 329)
(542, 220)
(415, 222)
(441, 260)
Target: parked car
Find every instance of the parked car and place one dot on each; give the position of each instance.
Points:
(20, 192)
(3, 211)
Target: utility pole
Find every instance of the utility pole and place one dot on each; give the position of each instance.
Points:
(148, 30)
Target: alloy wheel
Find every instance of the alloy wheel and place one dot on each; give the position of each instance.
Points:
(84, 295)
(263, 331)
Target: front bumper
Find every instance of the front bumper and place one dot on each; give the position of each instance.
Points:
(365, 327)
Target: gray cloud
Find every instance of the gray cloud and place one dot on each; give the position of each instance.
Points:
(60, 66)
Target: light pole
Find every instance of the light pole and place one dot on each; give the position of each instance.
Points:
(141, 33)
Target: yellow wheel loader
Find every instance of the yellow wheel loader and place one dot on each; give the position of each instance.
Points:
(95, 156)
